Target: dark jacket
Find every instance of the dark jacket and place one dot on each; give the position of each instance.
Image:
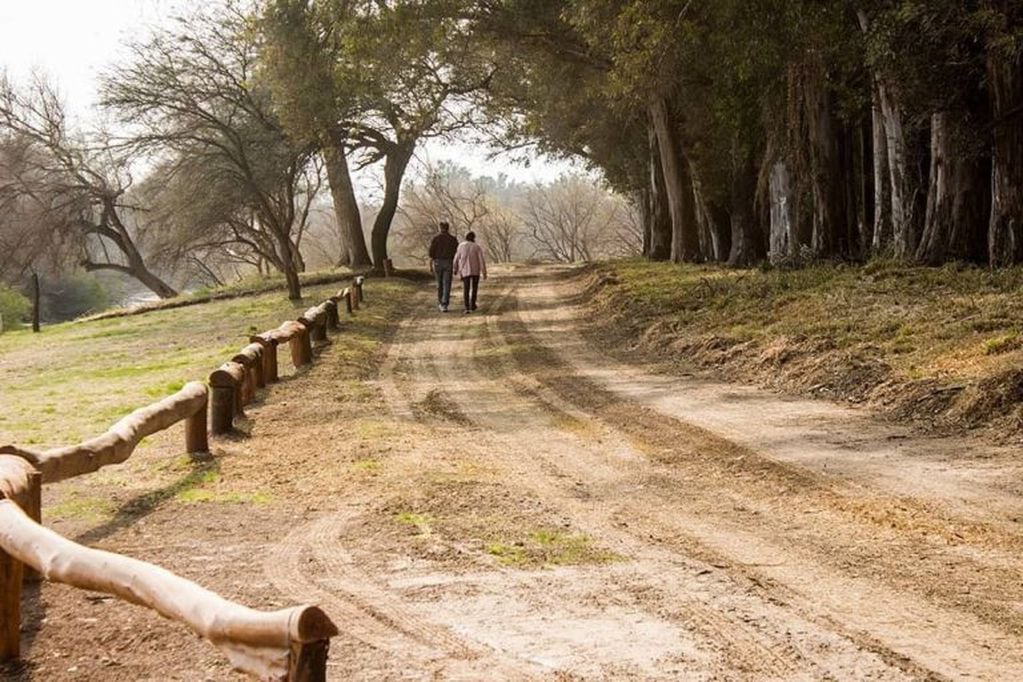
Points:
(443, 246)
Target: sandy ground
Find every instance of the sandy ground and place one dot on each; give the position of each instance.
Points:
(505, 500)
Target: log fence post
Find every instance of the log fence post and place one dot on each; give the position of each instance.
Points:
(353, 294)
(359, 281)
(34, 509)
(269, 357)
(225, 399)
(196, 439)
(346, 294)
(11, 577)
(388, 268)
(308, 661)
(301, 348)
(333, 319)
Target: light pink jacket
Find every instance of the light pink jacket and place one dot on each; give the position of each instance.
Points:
(469, 260)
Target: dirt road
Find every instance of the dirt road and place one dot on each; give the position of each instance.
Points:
(552, 513)
(494, 496)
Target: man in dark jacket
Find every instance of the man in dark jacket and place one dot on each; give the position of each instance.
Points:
(442, 256)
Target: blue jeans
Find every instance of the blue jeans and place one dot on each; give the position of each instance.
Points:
(442, 270)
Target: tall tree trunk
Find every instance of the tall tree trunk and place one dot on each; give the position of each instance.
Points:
(957, 199)
(782, 241)
(285, 248)
(715, 229)
(746, 246)
(904, 182)
(881, 233)
(660, 213)
(35, 302)
(864, 194)
(1005, 230)
(352, 251)
(395, 163)
(685, 242)
(643, 199)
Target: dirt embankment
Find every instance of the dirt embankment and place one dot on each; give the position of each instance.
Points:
(937, 349)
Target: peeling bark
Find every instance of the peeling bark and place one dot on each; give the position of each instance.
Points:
(685, 243)
(1005, 229)
(660, 213)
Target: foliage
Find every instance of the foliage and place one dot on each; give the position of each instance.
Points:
(14, 308)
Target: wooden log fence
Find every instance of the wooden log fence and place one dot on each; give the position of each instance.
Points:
(290, 644)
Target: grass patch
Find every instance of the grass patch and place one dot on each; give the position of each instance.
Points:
(77, 507)
(550, 547)
(421, 522)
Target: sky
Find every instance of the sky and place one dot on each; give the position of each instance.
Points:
(71, 41)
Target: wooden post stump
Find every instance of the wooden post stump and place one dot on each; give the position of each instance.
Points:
(301, 348)
(225, 399)
(359, 281)
(308, 661)
(347, 296)
(333, 319)
(388, 267)
(10, 607)
(269, 345)
(34, 510)
(196, 441)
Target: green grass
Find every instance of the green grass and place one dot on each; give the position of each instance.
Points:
(74, 379)
(550, 547)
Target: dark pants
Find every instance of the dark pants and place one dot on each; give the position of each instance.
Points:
(442, 269)
(470, 287)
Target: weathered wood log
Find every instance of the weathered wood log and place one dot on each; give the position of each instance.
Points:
(388, 268)
(251, 358)
(359, 288)
(34, 509)
(226, 396)
(117, 444)
(11, 578)
(19, 483)
(301, 347)
(346, 296)
(353, 294)
(333, 319)
(269, 357)
(196, 436)
(315, 320)
(269, 645)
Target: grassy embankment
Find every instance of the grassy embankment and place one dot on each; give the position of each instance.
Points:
(74, 379)
(941, 345)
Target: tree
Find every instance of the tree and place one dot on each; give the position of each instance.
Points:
(404, 67)
(191, 99)
(75, 185)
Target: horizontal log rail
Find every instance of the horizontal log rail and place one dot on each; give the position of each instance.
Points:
(117, 444)
(289, 644)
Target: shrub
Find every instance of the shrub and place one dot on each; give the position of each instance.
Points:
(72, 296)
(13, 307)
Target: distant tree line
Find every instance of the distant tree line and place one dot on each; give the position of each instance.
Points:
(741, 130)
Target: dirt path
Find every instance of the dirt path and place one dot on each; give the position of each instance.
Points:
(566, 515)
(500, 499)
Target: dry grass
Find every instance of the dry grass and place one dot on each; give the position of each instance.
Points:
(843, 331)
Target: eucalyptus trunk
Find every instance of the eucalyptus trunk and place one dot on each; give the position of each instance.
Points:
(660, 212)
(685, 242)
(957, 199)
(1005, 229)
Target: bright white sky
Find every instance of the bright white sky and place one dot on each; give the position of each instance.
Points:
(72, 41)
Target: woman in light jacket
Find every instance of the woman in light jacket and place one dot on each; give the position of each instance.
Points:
(470, 265)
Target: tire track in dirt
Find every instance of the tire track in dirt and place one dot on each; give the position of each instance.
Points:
(738, 638)
(551, 380)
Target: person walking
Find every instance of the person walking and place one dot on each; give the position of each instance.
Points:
(442, 256)
(470, 265)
